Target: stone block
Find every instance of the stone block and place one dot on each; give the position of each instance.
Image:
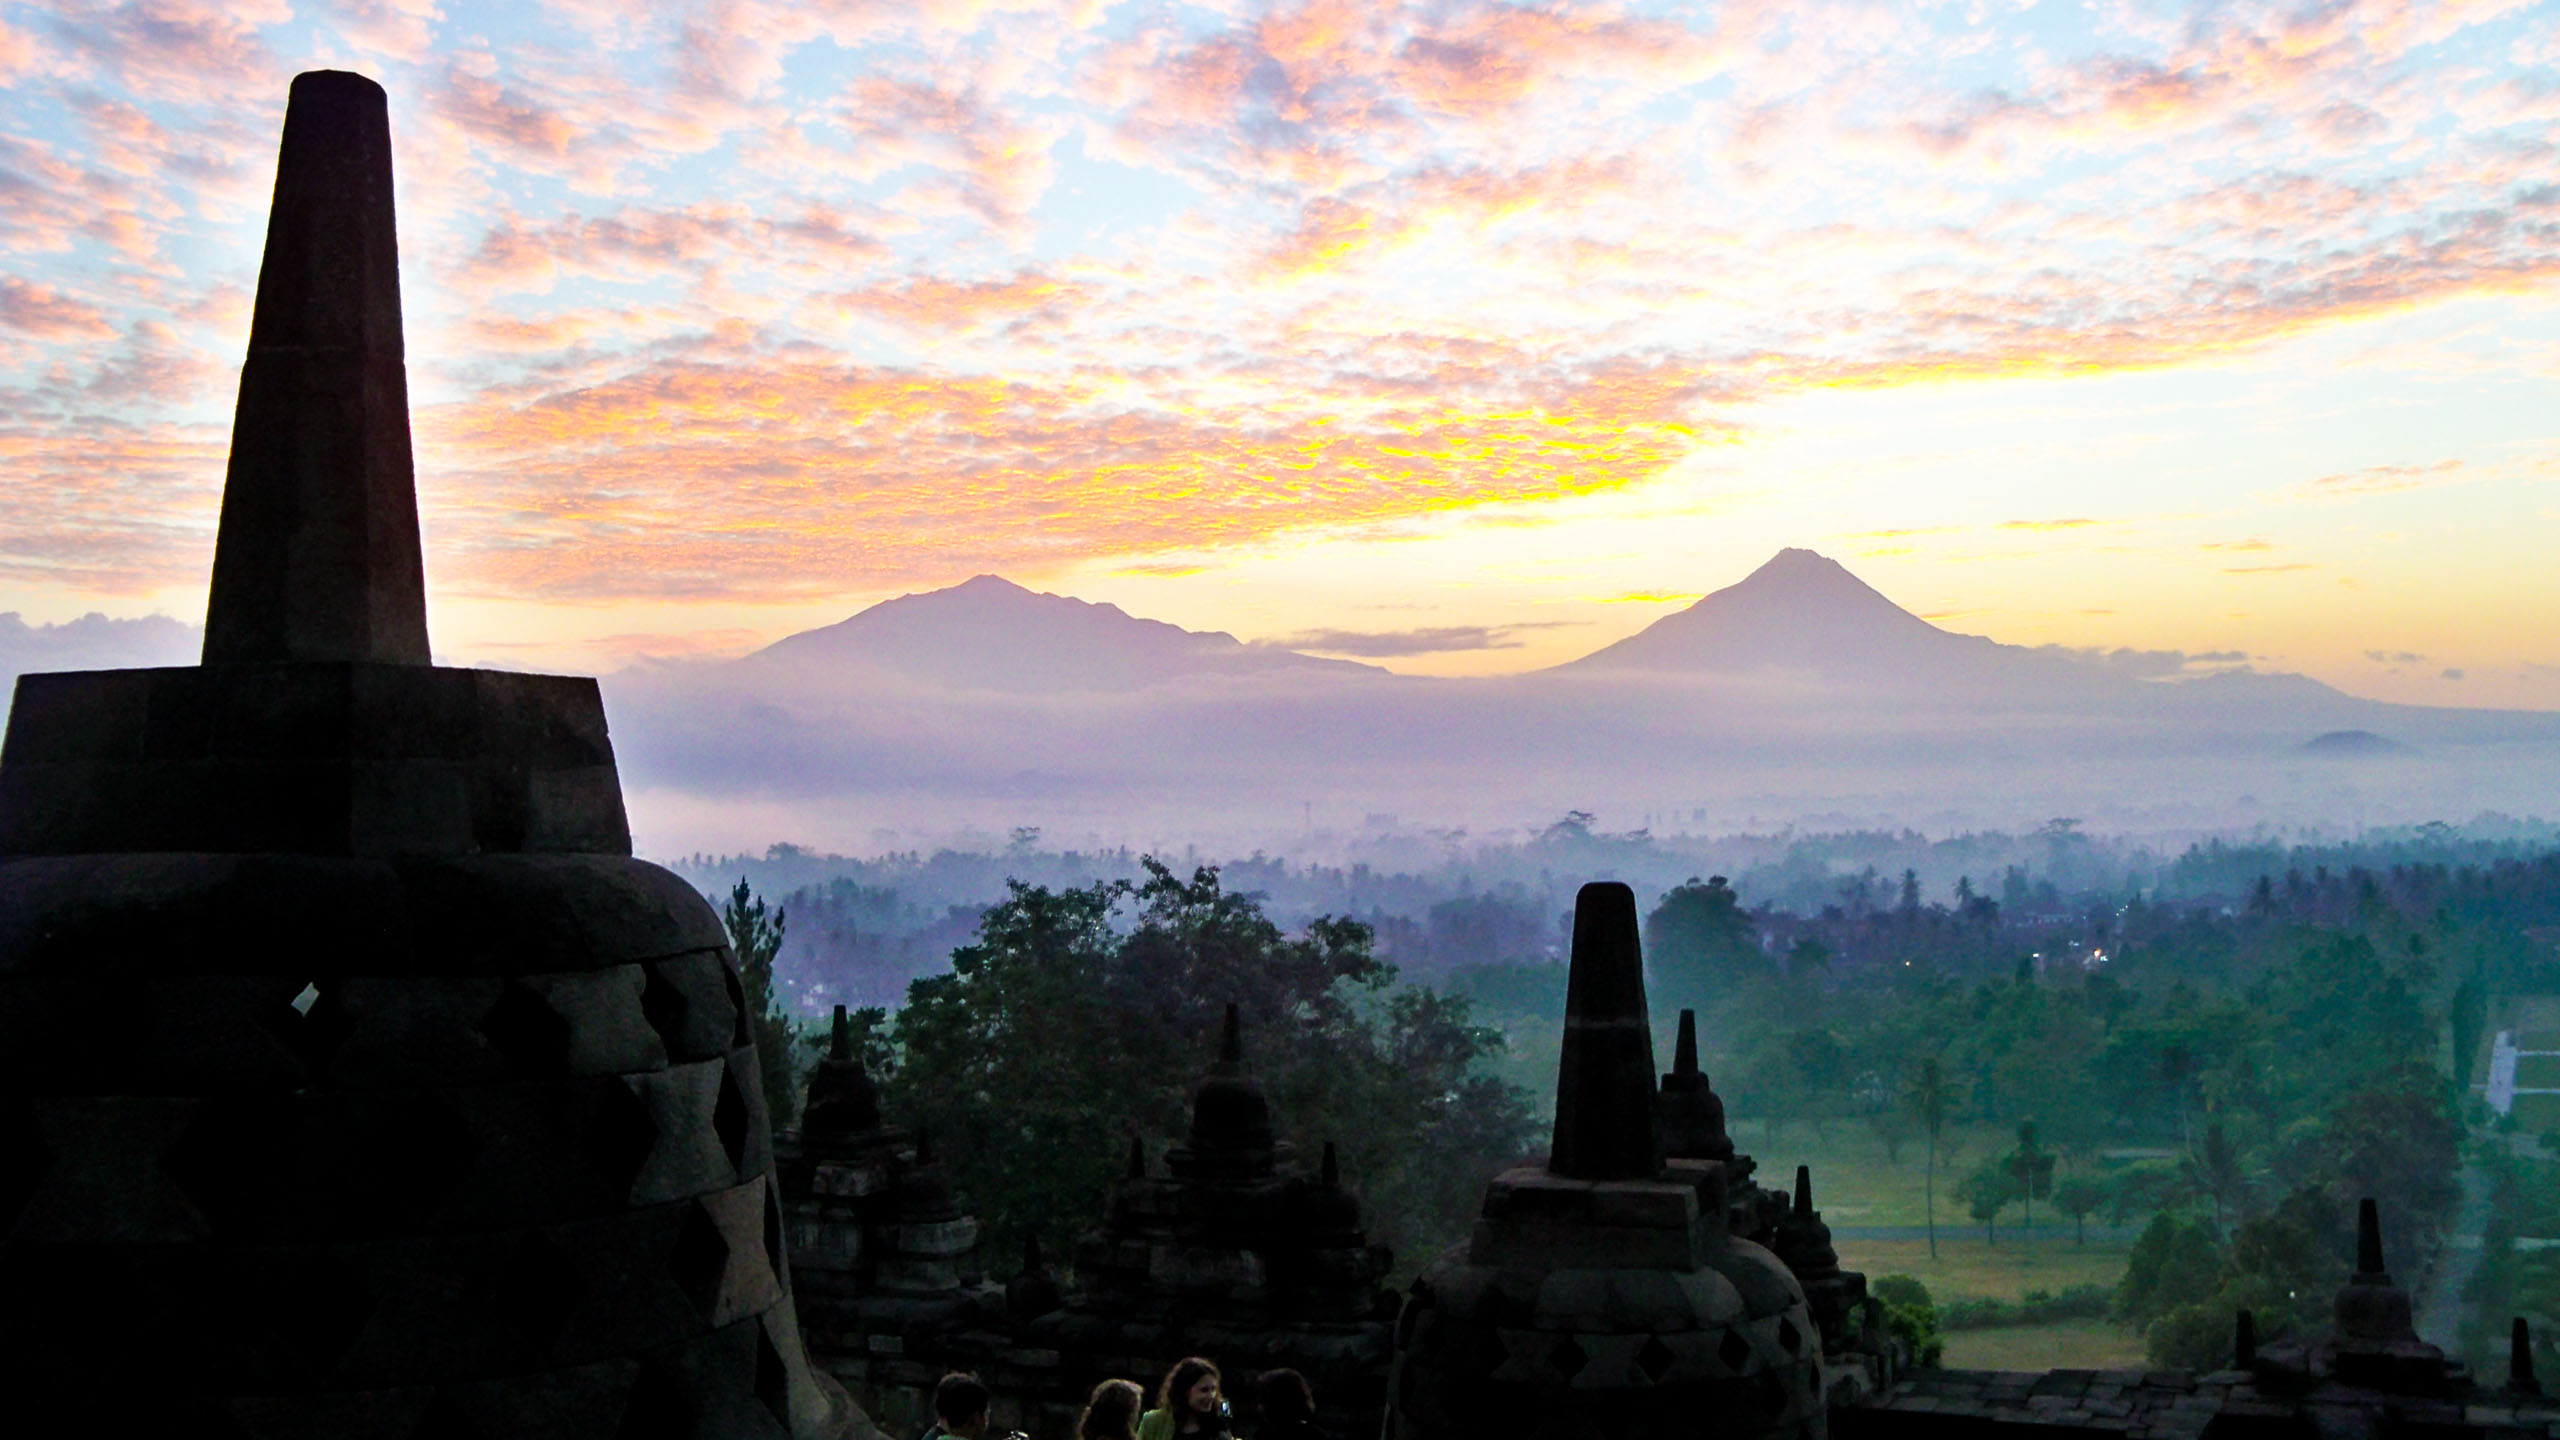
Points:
(937, 1239)
(1643, 1204)
(1548, 1244)
(608, 1033)
(688, 1158)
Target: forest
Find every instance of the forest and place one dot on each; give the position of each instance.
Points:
(2207, 1069)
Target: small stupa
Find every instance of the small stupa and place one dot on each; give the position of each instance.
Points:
(427, 1109)
(1836, 1296)
(1602, 1294)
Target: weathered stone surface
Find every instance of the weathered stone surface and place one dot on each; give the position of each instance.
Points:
(444, 1125)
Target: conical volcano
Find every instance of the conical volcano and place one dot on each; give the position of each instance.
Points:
(1799, 612)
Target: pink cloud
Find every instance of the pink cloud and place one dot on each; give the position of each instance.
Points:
(45, 313)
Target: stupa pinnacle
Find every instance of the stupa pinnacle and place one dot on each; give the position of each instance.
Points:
(444, 1117)
(318, 552)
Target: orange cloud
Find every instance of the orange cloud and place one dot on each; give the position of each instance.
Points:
(809, 477)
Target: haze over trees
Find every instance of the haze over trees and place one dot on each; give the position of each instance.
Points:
(2221, 1047)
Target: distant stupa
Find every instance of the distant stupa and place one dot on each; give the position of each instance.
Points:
(357, 1080)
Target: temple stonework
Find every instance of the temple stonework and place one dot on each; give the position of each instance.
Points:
(429, 1111)
(1230, 1249)
(2369, 1378)
(1605, 1294)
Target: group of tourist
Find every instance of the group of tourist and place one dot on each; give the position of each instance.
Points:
(1190, 1401)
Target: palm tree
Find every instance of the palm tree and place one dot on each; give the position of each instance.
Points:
(1927, 1097)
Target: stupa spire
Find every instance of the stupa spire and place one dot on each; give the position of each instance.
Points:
(317, 558)
(1605, 1123)
(2368, 1238)
(1684, 1056)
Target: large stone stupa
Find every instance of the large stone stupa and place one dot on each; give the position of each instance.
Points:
(354, 1079)
(1603, 1294)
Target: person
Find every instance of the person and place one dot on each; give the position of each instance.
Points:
(1111, 1412)
(1287, 1406)
(960, 1409)
(1187, 1404)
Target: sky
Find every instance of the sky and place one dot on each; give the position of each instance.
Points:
(1458, 337)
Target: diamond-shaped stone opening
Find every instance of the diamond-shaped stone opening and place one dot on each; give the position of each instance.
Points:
(24, 1157)
(1568, 1358)
(311, 1023)
(773, 1382)
(1655, 1359)
(701, 1258)
(656, 1408)
(1734, 1351)
(773, 1233)
(664, 1006)
(443, 1419)
(729, 1118)
(532, 1036)
(622, 1135)
(744, 1033)
(1789, 1338)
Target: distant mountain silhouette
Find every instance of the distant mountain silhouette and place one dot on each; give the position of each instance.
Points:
(2353, 745)
(1804, 613)
(991, 634)
(1798, 691)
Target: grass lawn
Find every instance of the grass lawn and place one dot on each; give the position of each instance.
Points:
(1853, 1183)
(1967, 1269)
(2538, 1071)
(2067, 1345)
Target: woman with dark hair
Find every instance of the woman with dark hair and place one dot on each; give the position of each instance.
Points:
(1287, 1406)
(1187, 1404)
(1111, 1412)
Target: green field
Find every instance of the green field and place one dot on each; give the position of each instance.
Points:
(2538, 1071)
(1967, 1269)
(1854, 1184)
(2068, 1345)
(2536, 1114)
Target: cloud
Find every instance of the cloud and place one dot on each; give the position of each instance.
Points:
(2394, 657)
(2452, 673)
(1426, 640)
(2239, 546)
(1650, 597)
(45, 313)
(2265, 569)
(2386, 479)
(773, 299)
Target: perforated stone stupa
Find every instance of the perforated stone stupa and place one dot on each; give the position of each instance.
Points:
(1603, 1294)
(357, 1081)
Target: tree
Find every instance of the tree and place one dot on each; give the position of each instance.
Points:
(2466, 1018)
(1058, 1034)
(1698, 941)
(1911, 1317)
(1892, 1126)
(2076, 1197)
(1928, 1097)
(2176, 1261)
(755, 935)
(1985, 1193)
(2217, 1171)
(2030, 1168)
